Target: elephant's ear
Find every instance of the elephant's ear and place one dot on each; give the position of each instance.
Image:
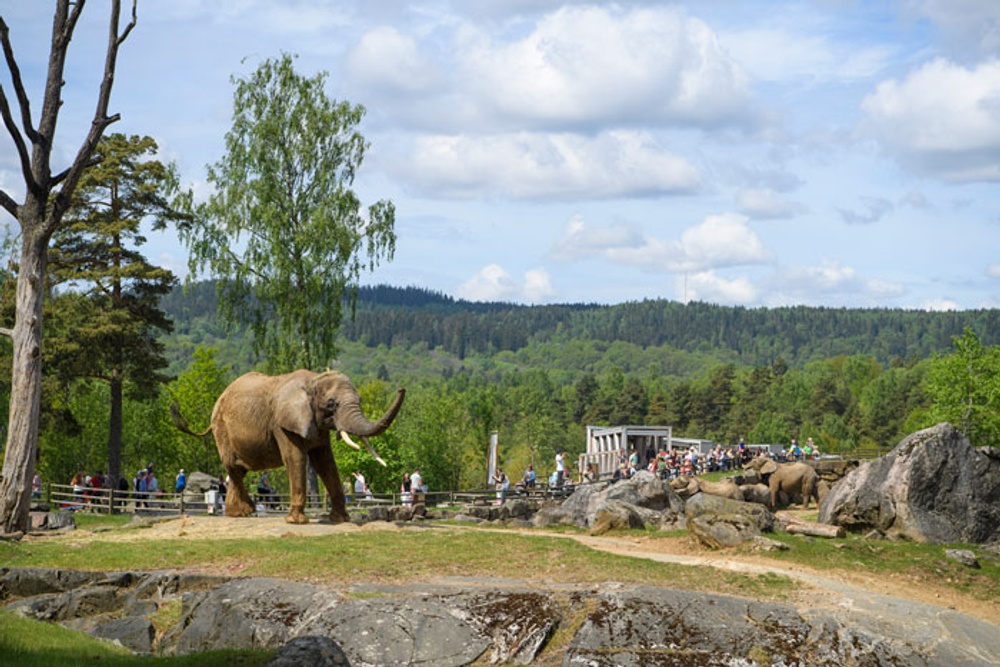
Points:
(768, 468)
(293, 409)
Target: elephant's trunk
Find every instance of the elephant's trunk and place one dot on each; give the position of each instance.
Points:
(356, 423)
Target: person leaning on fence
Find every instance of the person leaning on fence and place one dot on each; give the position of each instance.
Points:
(139, 487)
(265, 493)
(503, 485)
(417, 484)
(528, 479)
(406, 490)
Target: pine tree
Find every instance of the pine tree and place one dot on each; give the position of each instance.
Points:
(115, 323)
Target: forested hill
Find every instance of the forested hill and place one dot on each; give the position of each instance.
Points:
(393, 316)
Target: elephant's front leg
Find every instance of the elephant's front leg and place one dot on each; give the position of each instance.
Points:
(326, 467)
(295, 464)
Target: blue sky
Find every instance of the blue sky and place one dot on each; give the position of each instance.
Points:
(757, 153)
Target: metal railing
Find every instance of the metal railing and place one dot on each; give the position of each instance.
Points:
(112, 501)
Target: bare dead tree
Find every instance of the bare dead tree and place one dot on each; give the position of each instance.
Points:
(47, 196)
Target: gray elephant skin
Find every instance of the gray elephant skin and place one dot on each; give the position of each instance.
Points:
(266, 421)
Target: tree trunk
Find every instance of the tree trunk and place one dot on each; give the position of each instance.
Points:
(115, 431)
(26, 386)
(814, 529)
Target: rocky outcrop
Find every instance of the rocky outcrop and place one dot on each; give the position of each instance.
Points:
(449, 626)
(933, 487)
(644, 500)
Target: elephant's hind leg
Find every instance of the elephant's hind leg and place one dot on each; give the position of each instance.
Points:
(238, 502)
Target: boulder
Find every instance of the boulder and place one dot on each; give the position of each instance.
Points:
(704, 503)
(932, 487)
(719, 531)
(645, 494)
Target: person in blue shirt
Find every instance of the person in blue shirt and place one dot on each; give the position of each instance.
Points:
(529, 478)
(181, 482)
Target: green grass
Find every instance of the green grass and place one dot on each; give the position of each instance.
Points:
(902, 561)
(29, 643)
(379, 556)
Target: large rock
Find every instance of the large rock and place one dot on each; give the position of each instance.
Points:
(644, 496)
(933, 487)
(437, 625)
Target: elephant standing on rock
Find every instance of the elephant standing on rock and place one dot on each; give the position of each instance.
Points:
(792, 478)
(263, 421)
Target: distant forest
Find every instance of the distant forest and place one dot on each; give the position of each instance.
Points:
(392, 317)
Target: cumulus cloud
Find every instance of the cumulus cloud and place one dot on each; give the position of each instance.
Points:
(943, 119)
(940, 305)
(718, 241)
(600, 64)
(709, 287)
(828, 283)
(531, 165)
(388, 61)
(494, 283)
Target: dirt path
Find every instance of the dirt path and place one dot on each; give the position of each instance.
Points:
(827, 588)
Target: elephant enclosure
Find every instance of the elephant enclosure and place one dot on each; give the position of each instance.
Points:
(675, 549)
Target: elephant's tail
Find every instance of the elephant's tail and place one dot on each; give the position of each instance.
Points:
(182, 424)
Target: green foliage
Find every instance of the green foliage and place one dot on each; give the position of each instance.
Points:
(194, 392)
(283, 230)
(105, 328)
(964, 387)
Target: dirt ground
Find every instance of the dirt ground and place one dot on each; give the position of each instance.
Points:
(680, 550)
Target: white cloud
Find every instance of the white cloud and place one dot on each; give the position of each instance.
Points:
(709, 287)
(581, 65)
(942, 119)
(538, 286)
(530, 165)
(993, 270)
(494, 283)
(940, 305)
(387, 60)
(718, 241)
(491, 283)
(767, 204)
(828, 283)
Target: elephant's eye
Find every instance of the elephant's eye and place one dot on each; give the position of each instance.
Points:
(331, 404)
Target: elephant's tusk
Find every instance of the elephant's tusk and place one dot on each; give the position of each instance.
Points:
(346, 438)
(371, 450)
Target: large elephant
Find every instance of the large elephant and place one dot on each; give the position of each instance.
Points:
(792, 478)
(265, 421)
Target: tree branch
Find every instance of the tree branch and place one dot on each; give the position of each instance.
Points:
(101, 119)
(8, 204)
(25, 107)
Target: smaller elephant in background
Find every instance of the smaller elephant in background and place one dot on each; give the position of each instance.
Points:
(687, 486)
(756, 493)
(791, 478)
